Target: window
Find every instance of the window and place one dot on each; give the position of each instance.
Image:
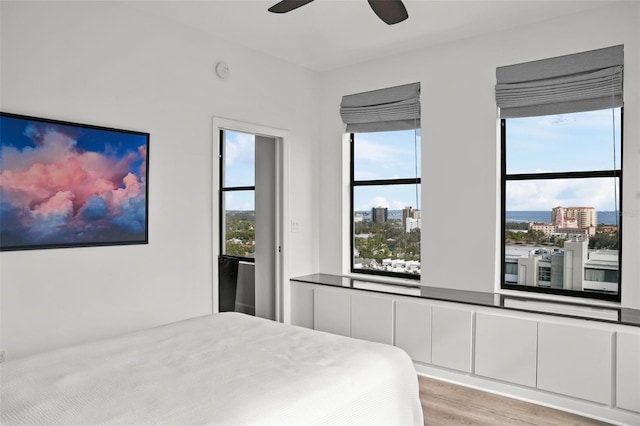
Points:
(237, 194)
(561, 177)
(544, 274)
(384, 128)
(601, 275)
(511, 268)
(385, 194)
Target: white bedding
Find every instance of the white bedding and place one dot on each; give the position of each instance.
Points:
(225, 369)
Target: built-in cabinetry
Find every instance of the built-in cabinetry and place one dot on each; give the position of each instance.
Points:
(451, 338)
(628, 371)
(506, 348)
(332, 311)
(584, 366)
(413, 330)
(575, 361)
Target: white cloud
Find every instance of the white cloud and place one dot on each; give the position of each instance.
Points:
(387, 155)
(546, 194)
(240, 147)
(376, 202)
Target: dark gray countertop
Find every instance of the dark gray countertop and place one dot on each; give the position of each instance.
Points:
(622, 316)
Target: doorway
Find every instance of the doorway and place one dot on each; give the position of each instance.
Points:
(249, 206)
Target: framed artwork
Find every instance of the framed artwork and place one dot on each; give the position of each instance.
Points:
(66, 184)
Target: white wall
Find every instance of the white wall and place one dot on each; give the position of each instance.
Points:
(105, 64)
(460, 143)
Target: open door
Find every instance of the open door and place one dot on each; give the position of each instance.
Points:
(250, 210)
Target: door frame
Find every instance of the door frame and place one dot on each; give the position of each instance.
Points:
(282, 205)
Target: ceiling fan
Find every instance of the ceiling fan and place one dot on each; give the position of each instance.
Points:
(390, 11)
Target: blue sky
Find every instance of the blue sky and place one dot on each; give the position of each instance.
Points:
(387, 155)
(239, 170)
(563, 143)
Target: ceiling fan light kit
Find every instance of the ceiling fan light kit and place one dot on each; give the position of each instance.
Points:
(390, 11)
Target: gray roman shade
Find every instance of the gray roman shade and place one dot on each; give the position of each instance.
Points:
(573, 83)
(393, 108)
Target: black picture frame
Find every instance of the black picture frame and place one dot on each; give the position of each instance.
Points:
(66, 184)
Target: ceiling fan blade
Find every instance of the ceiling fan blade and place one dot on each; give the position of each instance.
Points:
(390, 11)
(287, 5)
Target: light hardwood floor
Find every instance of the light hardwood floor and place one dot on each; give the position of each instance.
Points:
(447, 404)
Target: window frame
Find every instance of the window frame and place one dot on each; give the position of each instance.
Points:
(372, 182)
(221, 207)
(505, 177)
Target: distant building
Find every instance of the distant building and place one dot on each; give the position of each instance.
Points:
(379, 214)
(411, 223)
(569, 222)
(365, 264)
(547, 228)
(410, 218)
(574, 267)
(584, 217)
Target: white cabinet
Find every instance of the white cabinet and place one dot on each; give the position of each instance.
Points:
(575, 361)
(353, 314)
(302, 306)
(372, 318)
(506, 348)
(587, 367)
(451, 338)
(413, 330)
(332, 311)
(628, 371)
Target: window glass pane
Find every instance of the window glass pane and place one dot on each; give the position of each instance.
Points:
(239, 223)
(568, 225)
(239, 159)
(564, 143)
(386, 155)
(387, 226)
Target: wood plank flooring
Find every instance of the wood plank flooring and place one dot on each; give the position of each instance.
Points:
(446, 404)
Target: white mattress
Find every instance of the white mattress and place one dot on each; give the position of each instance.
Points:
(226, 369)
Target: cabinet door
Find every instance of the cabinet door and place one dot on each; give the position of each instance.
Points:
(506, 348)
(451, 338)
(332, 311)
(413, 330)
(301, 304)
(628, 372)
(575, 361)
(372, 318)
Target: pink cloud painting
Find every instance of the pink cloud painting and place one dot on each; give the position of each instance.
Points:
(65, 184)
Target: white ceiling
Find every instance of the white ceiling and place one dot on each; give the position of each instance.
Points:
(329, 34)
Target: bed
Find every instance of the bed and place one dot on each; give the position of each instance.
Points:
(225, 369)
